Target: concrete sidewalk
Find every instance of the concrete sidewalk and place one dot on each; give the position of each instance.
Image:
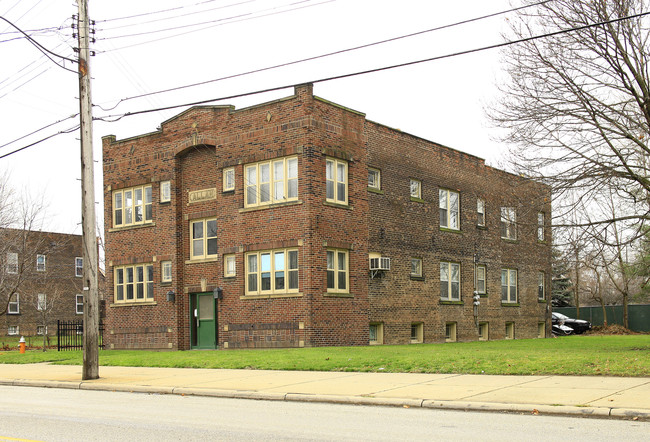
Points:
(570, 395)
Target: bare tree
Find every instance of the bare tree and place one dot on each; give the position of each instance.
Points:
(20, 217)
(577, 105)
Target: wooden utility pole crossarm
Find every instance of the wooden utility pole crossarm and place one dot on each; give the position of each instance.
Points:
(90, 254)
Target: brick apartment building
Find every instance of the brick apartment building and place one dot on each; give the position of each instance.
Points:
(299, 222)
(46, 268)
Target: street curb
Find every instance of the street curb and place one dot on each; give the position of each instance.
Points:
(563, 410)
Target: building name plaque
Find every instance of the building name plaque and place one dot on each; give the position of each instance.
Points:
(197, 196)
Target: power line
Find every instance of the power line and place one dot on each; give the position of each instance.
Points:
(38, 130)
(211, 25)
(155, 12)
(67, 131)
(385, 68)
(438, 28)
(42, 48)
(140, 23)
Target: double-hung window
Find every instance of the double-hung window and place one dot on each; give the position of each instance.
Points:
(449, 209)
(416, 189)
(41, 304)
(165, 191)
(272, 272)
(133, 283)
(132, 206)
(416, 267)
(480, 279)
(40, 263)
(508, 286)
(337, 271)
(540, 226)
(480, 212)
(541, 277)
(78, 267)
(166, 271)
(336, 175)
(79, 304)
(229, 179)
(203, 239)
(12, 262)
(271, 182)
(508, 223)
(449, 281)
(13, 308)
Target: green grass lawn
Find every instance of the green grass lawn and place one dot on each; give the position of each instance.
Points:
(571, 355)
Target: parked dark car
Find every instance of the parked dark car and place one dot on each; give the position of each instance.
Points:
(578, 325)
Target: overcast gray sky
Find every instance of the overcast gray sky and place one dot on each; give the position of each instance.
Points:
(140, 50)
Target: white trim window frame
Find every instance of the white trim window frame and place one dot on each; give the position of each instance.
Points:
(203, 238)
(272, 272)
(480, 212)
(449, 281)
(12, 263)
(541, 286)
(338, 276)
(374, 178)
(509, 223)
(229, 266)
(41, 303)
(271, 182)
(133, 284)
(415, 187)
(79, 304)
(509, 286)
(228, 179)
(449, 202)
(40, 263)
(13, 330)
(132, 206)
(165, 271)
(41, 330)
(78, 267)
(540, 226)
(336, 181)
(481, 279)
(13, 307)
(165, 191)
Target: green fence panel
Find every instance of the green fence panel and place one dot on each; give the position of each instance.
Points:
(638, 315)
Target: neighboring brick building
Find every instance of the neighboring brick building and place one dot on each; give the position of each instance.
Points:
(46, 268)
(254, 228)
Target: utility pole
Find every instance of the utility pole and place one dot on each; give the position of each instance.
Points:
(89, 237)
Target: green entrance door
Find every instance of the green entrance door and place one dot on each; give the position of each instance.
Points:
(203, 321)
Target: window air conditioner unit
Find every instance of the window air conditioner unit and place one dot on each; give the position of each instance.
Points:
(381, 263)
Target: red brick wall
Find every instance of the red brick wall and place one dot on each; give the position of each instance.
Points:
(401, 228)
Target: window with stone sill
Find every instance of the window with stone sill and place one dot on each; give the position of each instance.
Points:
(337, 271)
(271, 182)
(374, 179)
(272, 272)
(336, 176)
(203, 239)
(449, 209)
(132, 206)
(449, 281)
(133, 283)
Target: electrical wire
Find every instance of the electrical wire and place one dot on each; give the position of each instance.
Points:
(385, 68)
(218, 24)
(154, 12)
(43, 49)
(67, 131)
(174, 17)
(38, 130)
(342, 51)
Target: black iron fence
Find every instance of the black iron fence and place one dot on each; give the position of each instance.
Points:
(70, 335)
